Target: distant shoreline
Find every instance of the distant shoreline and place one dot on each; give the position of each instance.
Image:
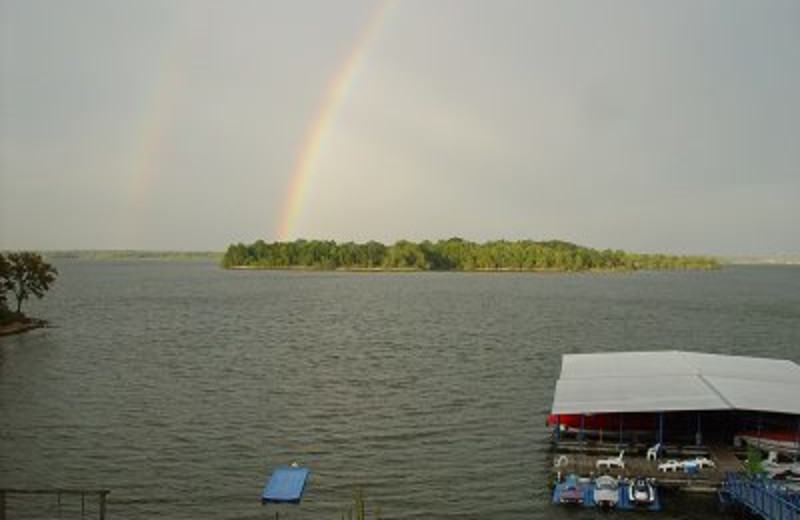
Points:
(131, 254)
(763, 261)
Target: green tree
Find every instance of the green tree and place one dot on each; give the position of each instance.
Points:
(375, 253)
(28, 274)
(754, 464)
(235, 256)
(5, 273)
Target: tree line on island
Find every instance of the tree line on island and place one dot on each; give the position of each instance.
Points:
(454, 254)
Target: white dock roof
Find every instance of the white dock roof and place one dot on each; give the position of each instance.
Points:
(675, 381)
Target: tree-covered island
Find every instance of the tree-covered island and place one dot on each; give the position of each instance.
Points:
(454, 254)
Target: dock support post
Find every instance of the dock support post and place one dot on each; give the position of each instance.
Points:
(620, 429)
(103, 504)
(759, 431)
(698, 438)
(661, 428)
(558, 428)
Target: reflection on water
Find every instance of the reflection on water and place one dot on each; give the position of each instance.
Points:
(179, 385)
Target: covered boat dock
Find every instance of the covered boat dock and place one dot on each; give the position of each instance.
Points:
(668, 405)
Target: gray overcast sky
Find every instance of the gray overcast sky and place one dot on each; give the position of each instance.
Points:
(648, 126)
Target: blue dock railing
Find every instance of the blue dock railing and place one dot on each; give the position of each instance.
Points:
(762, 497)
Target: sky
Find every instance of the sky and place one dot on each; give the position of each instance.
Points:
(659, 126)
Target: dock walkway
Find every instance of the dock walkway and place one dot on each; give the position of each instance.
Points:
(707, 479)
(725, 459)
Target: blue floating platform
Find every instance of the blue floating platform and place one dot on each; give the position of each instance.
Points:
(286, 485)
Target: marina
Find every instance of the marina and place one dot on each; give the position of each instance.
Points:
(681, 420)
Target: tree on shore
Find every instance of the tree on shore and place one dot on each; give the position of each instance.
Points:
(24, 274)
(5, 270)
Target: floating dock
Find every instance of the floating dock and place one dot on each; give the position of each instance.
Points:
(286, 485)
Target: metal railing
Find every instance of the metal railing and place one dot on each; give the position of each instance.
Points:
(763, 497)
(101, 495)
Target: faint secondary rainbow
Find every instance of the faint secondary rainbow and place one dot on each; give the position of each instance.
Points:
(159, 119)
(308, 158)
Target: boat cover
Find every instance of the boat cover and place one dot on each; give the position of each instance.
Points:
(286, 484)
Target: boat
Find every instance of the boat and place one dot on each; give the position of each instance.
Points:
(780, 470)
(572, 490)
(789, 472)
(606, 492)
(641, 492)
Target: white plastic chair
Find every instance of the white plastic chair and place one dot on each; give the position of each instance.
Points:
(671, 465)
(652, 453)
(772, 458)
(702, 462)
(610, 462)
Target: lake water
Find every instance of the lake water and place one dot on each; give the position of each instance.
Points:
(179, 385)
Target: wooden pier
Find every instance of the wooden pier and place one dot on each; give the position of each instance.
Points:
(725, 458)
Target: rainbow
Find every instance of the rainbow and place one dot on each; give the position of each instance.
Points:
(160, 117)
(314, 142)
